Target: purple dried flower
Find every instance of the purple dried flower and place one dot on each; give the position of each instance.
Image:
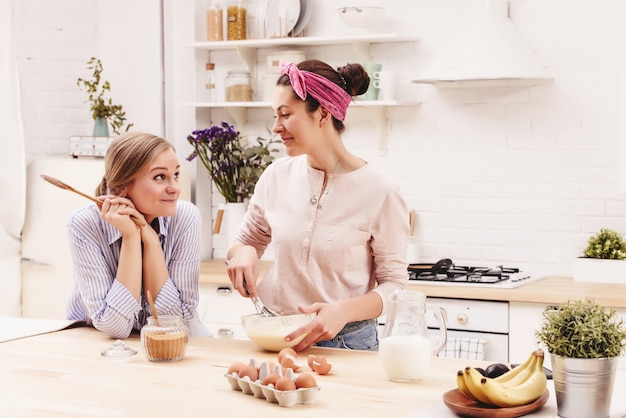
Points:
(234, 168)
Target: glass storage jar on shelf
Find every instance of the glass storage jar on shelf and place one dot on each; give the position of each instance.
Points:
(214, 21)
(238, 86)
(236, 20)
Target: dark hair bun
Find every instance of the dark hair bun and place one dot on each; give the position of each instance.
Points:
(356, 78)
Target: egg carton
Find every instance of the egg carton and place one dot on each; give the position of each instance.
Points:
(285, 398)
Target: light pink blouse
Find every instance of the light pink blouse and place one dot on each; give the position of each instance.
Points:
(352, 240)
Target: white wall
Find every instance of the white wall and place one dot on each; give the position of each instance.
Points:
(520, 176)
(12, 170)
(506, 175)
(55, 39)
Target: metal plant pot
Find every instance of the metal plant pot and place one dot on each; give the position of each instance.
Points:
(583, 386)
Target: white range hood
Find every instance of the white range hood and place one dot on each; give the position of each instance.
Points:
(489, 51)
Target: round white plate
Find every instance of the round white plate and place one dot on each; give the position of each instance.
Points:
(306, 10)
(281, 17)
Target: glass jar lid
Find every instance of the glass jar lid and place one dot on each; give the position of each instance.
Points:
(119, 352)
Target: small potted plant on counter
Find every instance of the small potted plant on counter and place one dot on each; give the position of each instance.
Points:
(103, 110)
(584, 340)
(603, 260)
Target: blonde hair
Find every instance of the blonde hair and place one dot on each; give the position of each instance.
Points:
(126, 157)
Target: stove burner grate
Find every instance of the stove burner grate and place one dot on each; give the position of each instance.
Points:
(449, 272)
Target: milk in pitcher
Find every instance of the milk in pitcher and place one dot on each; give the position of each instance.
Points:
(405, 358)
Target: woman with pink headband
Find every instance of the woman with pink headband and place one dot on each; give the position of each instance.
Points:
(339, 228)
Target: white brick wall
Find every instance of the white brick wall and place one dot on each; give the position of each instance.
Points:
(520, 176)
(54, 39)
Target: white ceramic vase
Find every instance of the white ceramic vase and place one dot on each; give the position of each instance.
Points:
(234, 213)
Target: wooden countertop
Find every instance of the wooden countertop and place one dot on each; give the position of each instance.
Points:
(549, 290)
(62, 374)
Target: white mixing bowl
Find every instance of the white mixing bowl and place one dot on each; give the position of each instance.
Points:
(359, 17)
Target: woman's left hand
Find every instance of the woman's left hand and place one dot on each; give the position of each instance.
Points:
(115, 209)
(329, 321)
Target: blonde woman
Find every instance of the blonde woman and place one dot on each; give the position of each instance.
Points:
(141, 239)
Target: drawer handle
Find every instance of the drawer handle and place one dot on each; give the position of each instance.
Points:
(224, 289)
(462, 319)
(225, 332)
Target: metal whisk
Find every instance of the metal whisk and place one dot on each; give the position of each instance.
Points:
(261, 309)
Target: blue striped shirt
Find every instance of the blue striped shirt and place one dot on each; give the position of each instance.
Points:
(100, 300)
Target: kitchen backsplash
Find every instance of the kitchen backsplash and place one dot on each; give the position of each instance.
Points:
(519, 176)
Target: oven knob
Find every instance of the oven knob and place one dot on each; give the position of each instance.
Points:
(461, 319)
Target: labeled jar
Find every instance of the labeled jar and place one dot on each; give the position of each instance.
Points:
(214, 21)
(236, 25)
(274, 58)
(238, 86)
(164, 339)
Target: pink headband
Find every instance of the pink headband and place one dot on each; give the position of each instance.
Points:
(327, 93)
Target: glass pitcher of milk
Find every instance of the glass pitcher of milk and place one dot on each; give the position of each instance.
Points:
(405, 349)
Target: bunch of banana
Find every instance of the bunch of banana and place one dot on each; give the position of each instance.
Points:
(521, 385)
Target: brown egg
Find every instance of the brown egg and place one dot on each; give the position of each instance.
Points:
(250, 371)
(285, 383)
(289, 362)
(305, 380)
(235, 367)
(286, 351)
(311, 358)
(321, 366)
(271, 378)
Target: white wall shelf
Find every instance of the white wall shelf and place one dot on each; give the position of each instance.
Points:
(246, 49)
(495, 82)
(376, 109)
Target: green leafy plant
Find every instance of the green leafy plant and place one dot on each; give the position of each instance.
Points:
(606, 244)
(233, 166)
(102, 106)
(582, 329)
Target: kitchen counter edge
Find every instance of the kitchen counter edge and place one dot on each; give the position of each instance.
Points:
(547, 290)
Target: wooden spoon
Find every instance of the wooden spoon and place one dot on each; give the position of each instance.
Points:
(66, 186)
(154, 311)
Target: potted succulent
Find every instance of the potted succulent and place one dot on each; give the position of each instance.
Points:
(603, 260)
(584, 340)
(103, 110)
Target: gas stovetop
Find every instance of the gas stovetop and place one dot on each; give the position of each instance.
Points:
(445, 272)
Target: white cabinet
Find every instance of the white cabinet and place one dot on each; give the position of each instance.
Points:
(524, 319)
(223, 309)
